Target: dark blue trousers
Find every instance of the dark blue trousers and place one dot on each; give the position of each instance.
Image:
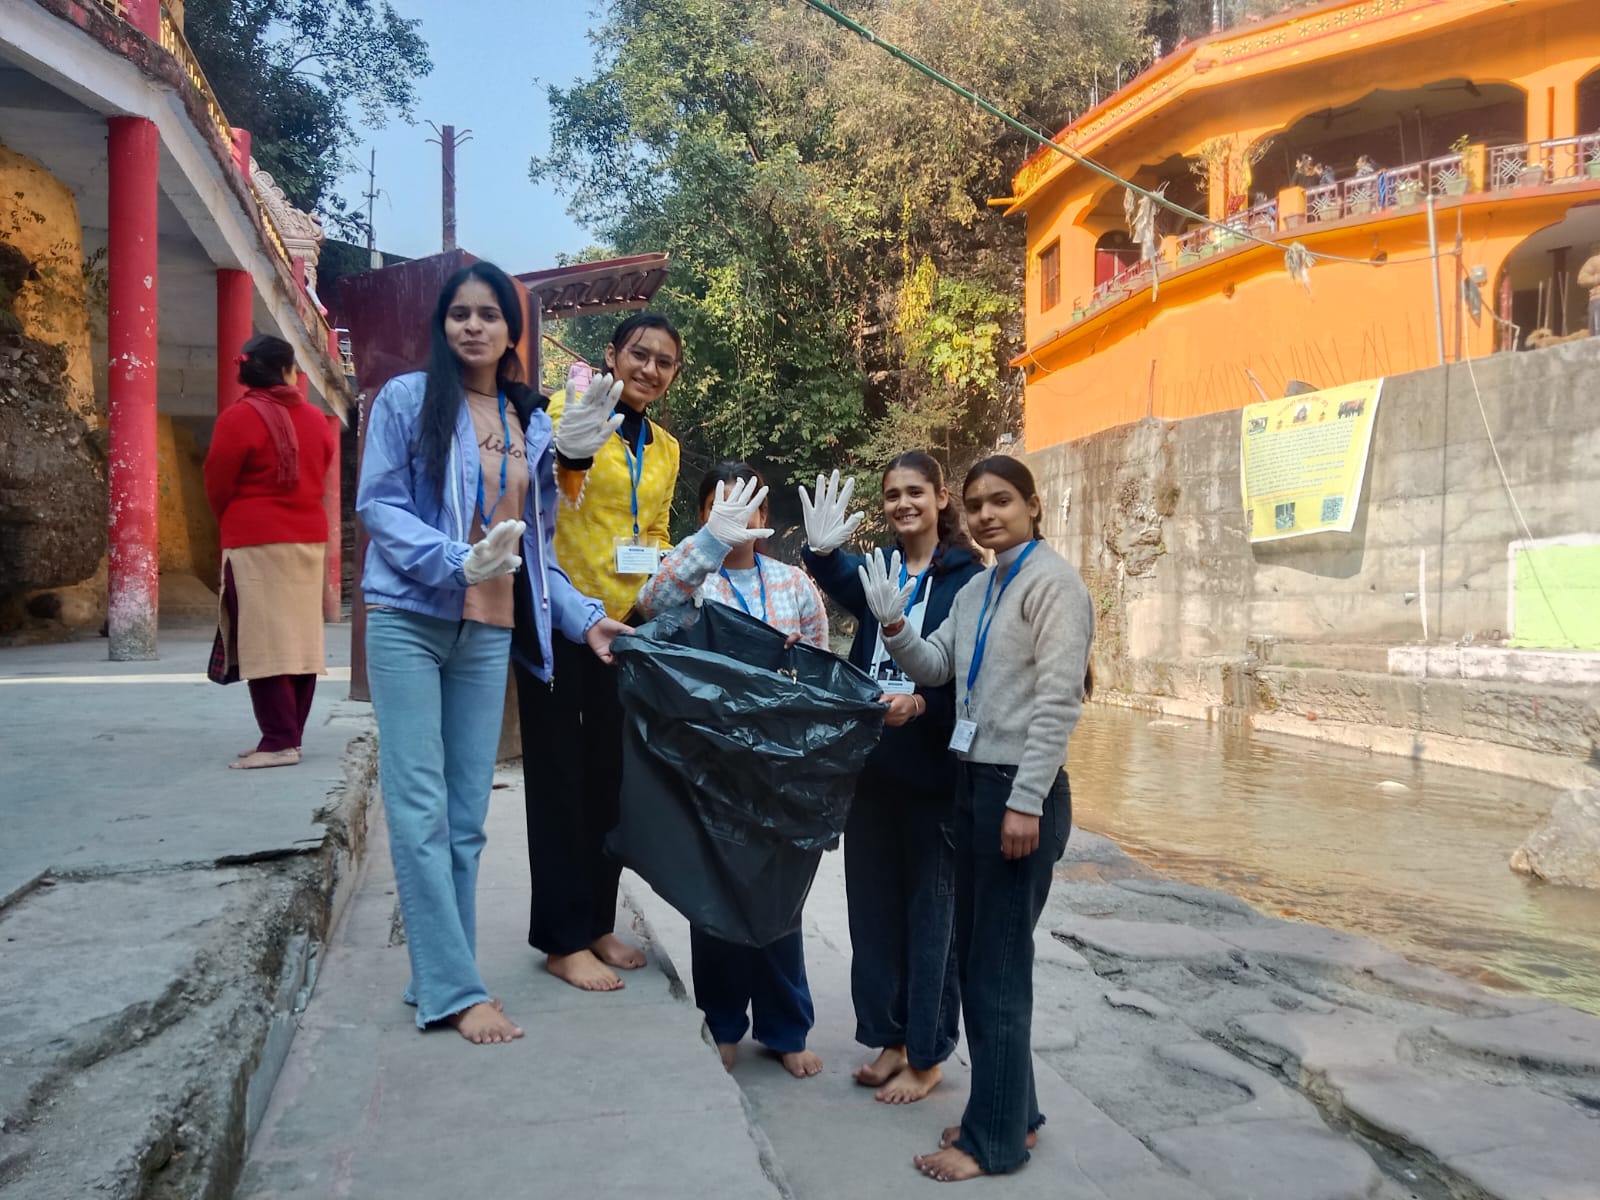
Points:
(998, 904)
(732, 983)
(899, 870)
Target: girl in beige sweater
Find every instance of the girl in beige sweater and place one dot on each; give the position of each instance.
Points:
(1017, 645)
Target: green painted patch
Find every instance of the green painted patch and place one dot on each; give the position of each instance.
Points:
(1558, 598)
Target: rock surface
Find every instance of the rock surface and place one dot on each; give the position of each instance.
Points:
(1566, 848)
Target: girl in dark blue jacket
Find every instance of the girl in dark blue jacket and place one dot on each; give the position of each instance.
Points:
(897, 850)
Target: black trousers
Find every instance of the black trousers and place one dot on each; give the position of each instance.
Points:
(998, 904)
(899, 870)
(572, 777)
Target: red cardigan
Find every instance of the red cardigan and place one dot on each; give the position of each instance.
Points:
(241, 478)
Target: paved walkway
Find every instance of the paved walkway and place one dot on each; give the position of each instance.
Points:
(153, 907)
(114, 767)
(608, 1095)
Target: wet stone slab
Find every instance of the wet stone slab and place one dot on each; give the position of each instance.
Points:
(1280, 1160)
(1142, 941)
(1556, 1038)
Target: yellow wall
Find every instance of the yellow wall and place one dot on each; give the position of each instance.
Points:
(1242, 310)
(39, 216)
(1187, 354)
(188, 532)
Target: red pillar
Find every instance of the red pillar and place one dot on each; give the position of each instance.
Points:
(235, 299)
(332, 592)
(132, 253)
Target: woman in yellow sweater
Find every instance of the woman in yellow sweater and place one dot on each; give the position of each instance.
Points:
(612, 528)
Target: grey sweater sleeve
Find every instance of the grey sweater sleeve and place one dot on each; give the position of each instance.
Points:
(1061, 622)
(930, 661)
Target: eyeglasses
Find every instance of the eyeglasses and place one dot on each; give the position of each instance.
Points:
(643, 358)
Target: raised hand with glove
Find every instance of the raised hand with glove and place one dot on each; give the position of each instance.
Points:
(589, 423)
(731, 513)
(496, 554)
(827, 526)
(886, 596)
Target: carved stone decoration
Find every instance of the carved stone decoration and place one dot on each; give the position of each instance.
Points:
(301, 231)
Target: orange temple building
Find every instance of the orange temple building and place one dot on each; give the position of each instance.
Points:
(1490, 107)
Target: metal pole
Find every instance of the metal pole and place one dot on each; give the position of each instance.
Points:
(1433, 262)
(447, 146)
(374, 261)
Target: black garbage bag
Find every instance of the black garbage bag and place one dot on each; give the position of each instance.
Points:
(739, 762)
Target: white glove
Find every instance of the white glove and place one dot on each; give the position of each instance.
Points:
(496, 554)
(589, 424)
(885, 596)
(827, 528)
(729, 521)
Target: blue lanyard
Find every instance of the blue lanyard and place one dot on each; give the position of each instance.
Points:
(983, 629)
(505, 452)
(635, 474)
(916, 592)
(761, 580)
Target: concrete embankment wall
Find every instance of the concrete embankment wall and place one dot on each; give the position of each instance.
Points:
(1194, 618)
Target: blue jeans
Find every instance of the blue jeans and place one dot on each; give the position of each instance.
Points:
(899, 871)
(769, 981)
(438, 688)
(998, 904)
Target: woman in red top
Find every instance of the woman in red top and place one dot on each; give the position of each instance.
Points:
(265, 473)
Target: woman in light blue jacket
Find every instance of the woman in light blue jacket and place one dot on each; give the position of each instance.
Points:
(457, 493)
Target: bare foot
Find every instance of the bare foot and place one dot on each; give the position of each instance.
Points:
(890, 1062)
(910, 1085)
(258, 759)
(801, 1063)
(614, 952)
(252, 750)
(952, 1132)
(484, 1024)
(729, 1051)
(583, 971)
(948, 1166)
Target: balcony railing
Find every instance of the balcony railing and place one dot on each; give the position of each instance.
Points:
(1560, 161)
(1396, 187)
(1535, 164)
(1130, 279)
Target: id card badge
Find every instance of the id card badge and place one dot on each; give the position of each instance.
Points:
(637, 557)
(961, 736)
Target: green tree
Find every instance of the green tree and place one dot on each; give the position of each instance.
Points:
(289, 73)
(844, 289)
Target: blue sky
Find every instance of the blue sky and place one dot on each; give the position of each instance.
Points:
(491, 63)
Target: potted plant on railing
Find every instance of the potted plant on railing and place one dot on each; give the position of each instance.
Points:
(1592, 168)
(1456, 185)
(1408, 192)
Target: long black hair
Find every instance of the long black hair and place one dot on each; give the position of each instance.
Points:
(1003, 466)
(265, 361)
(446, 390)
(951, 531)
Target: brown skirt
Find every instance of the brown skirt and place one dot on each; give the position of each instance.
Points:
(276, 591)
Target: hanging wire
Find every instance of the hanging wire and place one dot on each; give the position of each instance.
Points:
(1090, 164)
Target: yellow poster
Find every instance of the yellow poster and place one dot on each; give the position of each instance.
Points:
(1302, 460)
